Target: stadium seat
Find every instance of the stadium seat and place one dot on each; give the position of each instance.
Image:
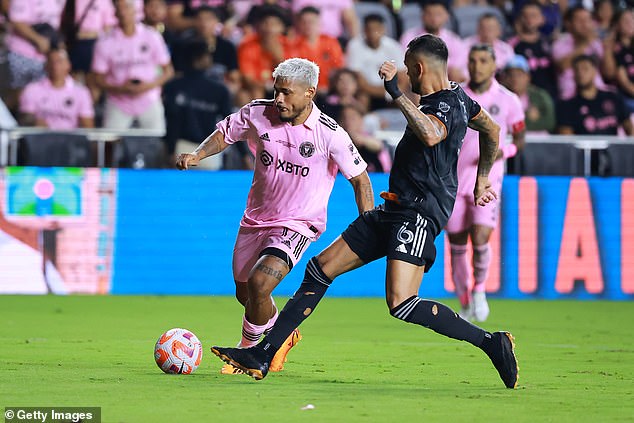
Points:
(550, 158)
(620, 160)
(55, 149)
(466, 19)
(140, 153)
(410, 16)
(363, 9)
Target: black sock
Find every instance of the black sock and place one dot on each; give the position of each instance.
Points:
(297, 309)
(440, 319)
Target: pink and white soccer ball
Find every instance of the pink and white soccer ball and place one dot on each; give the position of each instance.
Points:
(178, 351)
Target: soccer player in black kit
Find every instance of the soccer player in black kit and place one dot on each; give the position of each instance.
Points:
(422, 191)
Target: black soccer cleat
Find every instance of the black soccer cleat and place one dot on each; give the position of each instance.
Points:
(503, 358)
(244, 359)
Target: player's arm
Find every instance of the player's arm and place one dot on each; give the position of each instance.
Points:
(213, 144)
(363, 194)
(489, 137)
(519, 139)
(428, 129)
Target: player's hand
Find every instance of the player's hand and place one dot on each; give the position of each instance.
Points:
(387, 71)
(484, 192)
(186, 160)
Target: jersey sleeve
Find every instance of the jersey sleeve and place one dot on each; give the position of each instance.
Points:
(515, 118)
(28, 99)
(236, 126)
(86, 108)
(472, 107)
(100, 58)
(345, 155)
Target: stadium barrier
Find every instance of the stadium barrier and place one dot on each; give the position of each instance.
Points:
(75, 230)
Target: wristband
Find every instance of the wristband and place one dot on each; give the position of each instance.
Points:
(391, 87)
(509, 150)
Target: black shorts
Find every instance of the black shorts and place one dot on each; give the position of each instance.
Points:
(399, 234)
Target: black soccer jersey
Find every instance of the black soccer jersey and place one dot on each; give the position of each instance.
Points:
(425, 178)
(601, 115)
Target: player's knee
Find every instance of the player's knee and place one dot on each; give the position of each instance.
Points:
(260, 285)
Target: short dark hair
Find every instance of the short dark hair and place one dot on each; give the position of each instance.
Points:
(194, 49)
(308, 9)
(483, 47)
(429, 45)
(489, 15)
(373, 17)
(208, 9)
(425, 3)
(585, 58)
(571, 12)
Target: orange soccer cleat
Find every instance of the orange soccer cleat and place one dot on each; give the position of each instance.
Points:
(277, 364)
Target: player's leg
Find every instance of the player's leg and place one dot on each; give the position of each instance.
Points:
(255, 361)
(344, 254)
(484, 221)
(458, 232)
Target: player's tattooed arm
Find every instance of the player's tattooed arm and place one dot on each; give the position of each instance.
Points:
(363, 194)
(427, 128)
(489, 140)
(213, 144)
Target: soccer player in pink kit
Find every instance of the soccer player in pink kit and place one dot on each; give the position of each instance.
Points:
(467, 220)
(298, 151)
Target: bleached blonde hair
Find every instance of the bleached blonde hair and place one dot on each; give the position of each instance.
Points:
(297, 69)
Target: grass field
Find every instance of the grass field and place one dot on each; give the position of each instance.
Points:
(355, 363)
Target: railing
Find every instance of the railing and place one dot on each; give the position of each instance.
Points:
(9, 139)
(584, 143)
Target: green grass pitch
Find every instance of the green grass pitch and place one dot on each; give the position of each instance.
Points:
(355, 363)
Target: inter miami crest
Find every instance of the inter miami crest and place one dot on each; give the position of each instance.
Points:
(306, 149)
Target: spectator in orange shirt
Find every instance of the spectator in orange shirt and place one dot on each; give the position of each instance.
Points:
(261, 52)
(311, 44)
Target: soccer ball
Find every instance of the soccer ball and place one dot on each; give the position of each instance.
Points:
(178, 351)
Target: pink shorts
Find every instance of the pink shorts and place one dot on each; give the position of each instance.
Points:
(466, 213)
(250, 243)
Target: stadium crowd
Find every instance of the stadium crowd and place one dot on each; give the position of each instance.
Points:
(180, 66)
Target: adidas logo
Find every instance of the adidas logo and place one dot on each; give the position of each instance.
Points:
(265, 137)
(401, 249)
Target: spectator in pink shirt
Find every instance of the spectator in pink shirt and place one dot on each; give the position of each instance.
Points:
(581, 39)
(434, 16)
(489, 32)
(28, 47)
(131, 64)
(85, 21)
(338, 17)
(57, 101)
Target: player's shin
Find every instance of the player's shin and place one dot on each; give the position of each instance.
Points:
(439, 318)
(481, 263)
(297, 309)
(460, 272)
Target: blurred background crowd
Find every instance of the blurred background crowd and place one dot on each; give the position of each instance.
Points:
(179, 66)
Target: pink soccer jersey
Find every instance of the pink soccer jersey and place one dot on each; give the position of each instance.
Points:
(330, 12)
(98, 18)
(506, 109)
(458, 50)
(32, 12)
(60, 108)
(295, 166)
(123, 58)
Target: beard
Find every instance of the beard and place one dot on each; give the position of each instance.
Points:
(293, 116)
